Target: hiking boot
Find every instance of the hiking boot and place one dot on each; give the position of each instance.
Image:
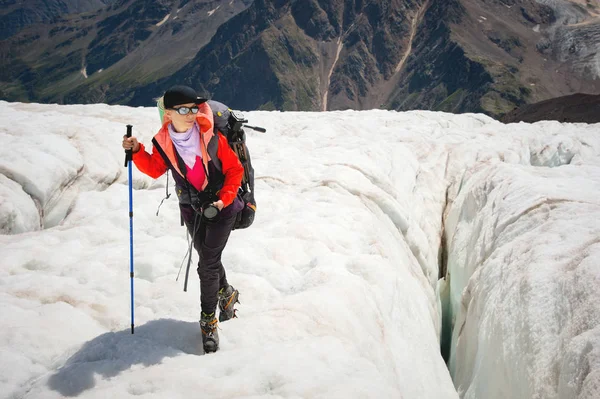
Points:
(228, 297)
(210, 335)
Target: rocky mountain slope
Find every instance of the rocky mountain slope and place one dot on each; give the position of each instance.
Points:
(104, 55)
(453, 55)
(533, 50)
(16, 15)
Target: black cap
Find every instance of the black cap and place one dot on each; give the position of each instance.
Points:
(177, 95)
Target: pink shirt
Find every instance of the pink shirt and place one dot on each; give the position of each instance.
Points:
(196, 175)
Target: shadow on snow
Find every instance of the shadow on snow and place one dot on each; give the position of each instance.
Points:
(111, 353)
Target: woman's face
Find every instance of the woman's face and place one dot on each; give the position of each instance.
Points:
(182, 123)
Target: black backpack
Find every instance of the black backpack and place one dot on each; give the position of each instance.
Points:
(230, 123)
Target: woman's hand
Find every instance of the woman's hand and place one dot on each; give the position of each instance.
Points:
(131, 143)
(218, 204)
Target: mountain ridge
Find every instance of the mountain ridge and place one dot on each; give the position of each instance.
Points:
(582, 108)
(457, 55)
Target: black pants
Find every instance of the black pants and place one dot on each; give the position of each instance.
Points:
(209, 241)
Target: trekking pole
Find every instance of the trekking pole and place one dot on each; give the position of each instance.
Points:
(128, 157)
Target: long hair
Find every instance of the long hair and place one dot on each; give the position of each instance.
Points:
(160, 104)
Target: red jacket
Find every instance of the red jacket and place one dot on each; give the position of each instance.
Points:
(155, 166)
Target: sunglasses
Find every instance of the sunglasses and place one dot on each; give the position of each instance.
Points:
(186, 110)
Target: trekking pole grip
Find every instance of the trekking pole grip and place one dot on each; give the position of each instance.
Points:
(128, 153)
